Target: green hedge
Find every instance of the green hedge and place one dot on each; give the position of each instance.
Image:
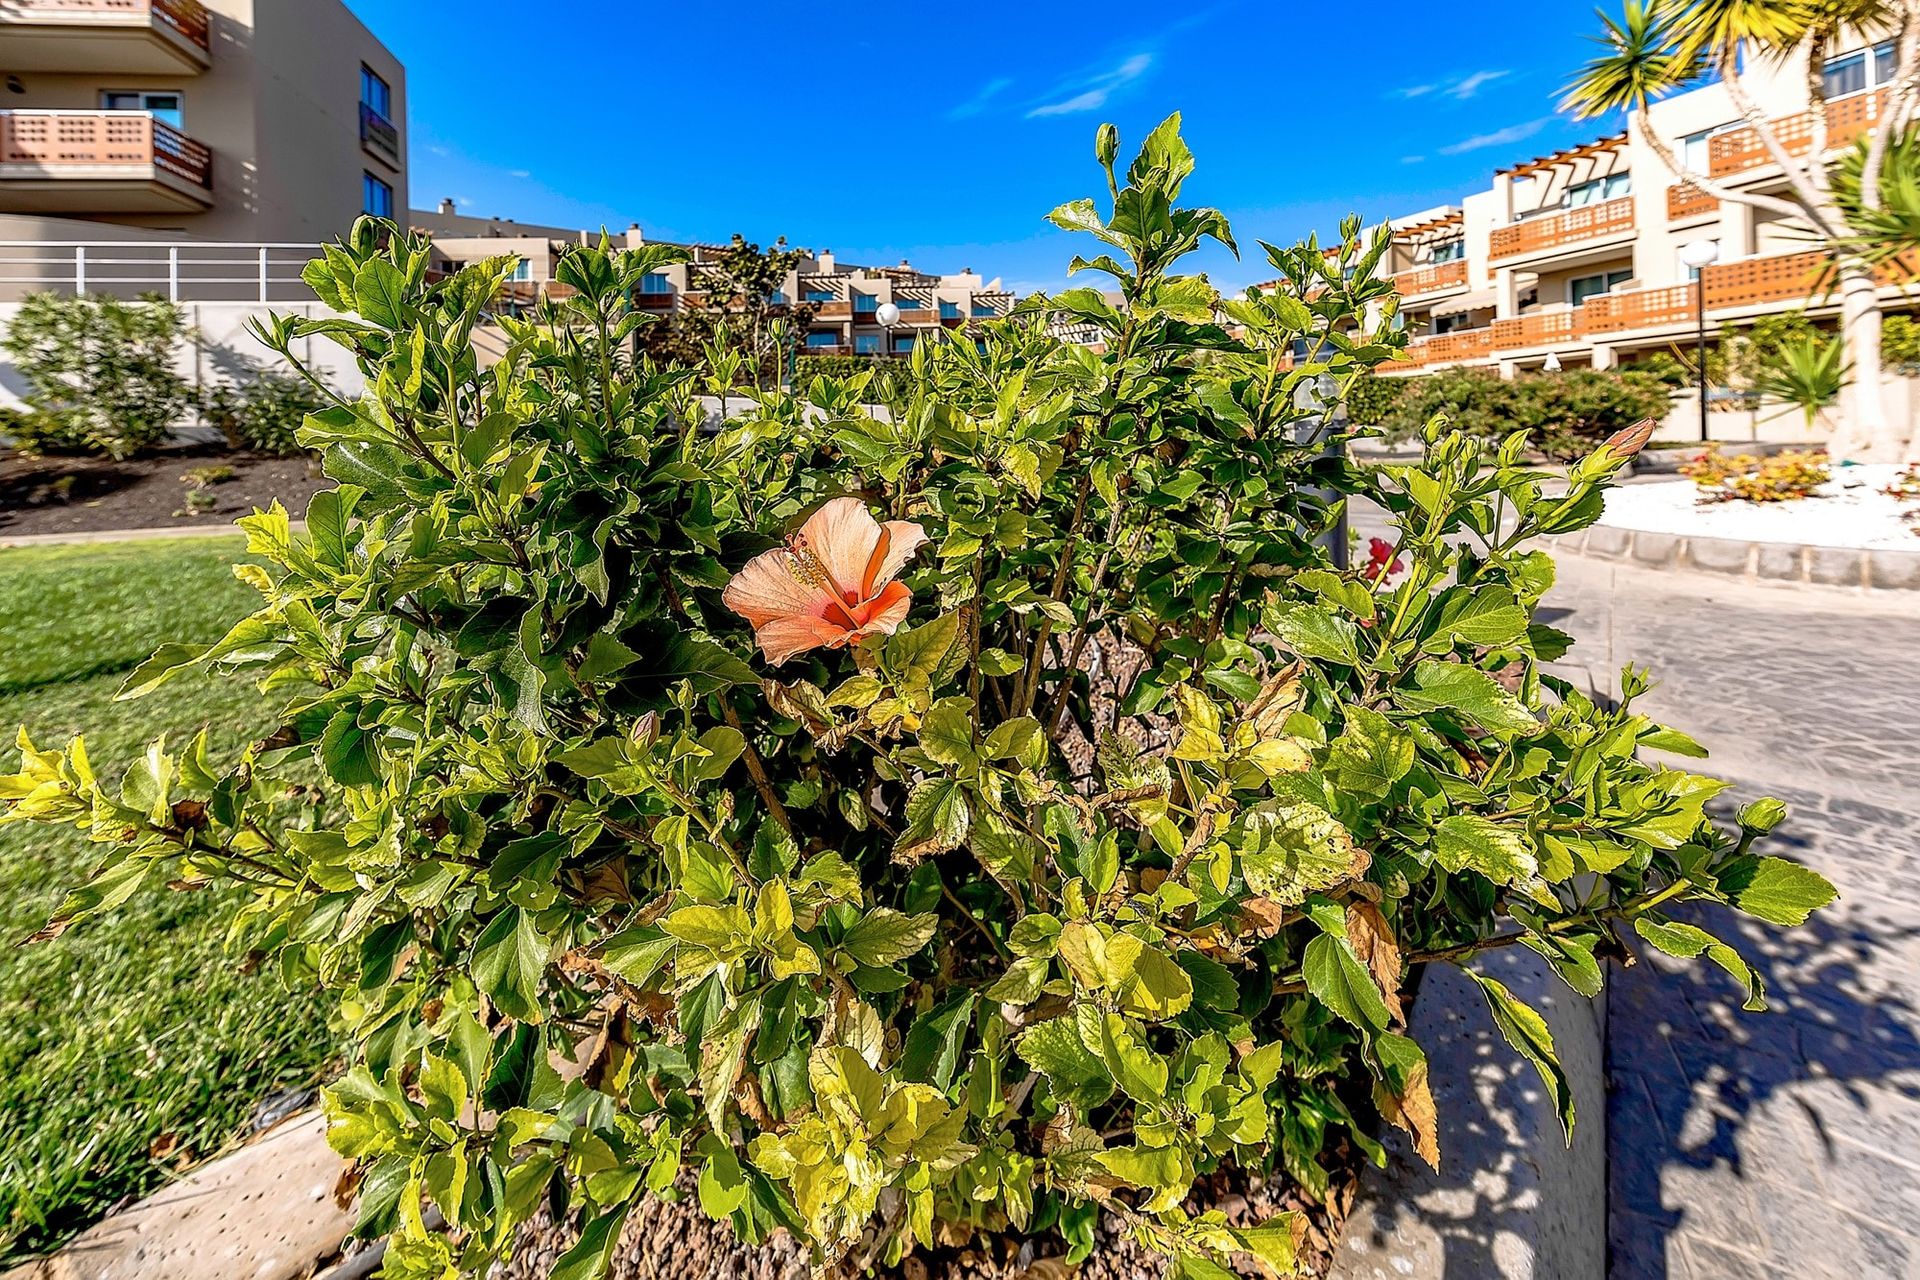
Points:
(1565, 413)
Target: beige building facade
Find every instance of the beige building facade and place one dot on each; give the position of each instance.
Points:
(1574, 258)
(258, 121)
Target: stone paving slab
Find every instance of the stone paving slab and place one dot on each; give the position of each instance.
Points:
(1783, 1144)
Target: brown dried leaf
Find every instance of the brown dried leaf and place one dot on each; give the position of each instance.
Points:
(1279, 697)
(1374, 945)
(1413, 1110)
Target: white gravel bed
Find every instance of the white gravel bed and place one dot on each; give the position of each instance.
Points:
(1849, 511)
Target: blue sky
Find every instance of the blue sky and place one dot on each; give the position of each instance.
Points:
(944, 132)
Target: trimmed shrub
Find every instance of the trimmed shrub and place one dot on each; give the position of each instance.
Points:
(101, 372)
(949, 825)
(1565, 414)
(263, 414)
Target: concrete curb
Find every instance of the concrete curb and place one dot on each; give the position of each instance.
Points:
(264, 1212)
(1875, 569)
(1511, 1201)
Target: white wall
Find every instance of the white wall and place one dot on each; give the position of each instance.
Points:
(224, 350)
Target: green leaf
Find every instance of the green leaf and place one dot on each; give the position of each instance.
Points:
(1289, 849)
(947, 733)
(380, 293)
(1313, 632)
(935, 1042)
(508, 960)
(1527, 1032)
(885, 937)
(1688, 941)
(1485, 618)
(1775, 890)
(605, 657)
(1500, 853)
(1471, 692)
(1338, 980)
(1150, 984)
(1371, 753)
(592, 1253)
(1073, 1071)
(938, 819)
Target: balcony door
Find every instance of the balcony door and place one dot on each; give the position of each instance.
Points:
(166, 106)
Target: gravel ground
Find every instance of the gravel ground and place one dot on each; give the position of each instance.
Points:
(673, 1240)
(1849, 511)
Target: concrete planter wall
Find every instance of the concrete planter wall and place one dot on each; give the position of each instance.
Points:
(1880, 569)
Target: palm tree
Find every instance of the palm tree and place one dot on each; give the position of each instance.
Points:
(1658, 47)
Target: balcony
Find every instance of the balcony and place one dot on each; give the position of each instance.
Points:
(133, 37)
(1461, 347)
(1538, 329)
(379, 136)
(832, 310)
(1739, 150)
(64, 162)
(1571, 228)
(661, 301)
(1430, 279)
(1685, 202)
(1638, 309)
(812, 349)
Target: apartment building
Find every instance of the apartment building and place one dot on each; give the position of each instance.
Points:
(845, 300)
(255, 121)
(1574, 257)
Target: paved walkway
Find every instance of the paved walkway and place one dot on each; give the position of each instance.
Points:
(1782, 1144)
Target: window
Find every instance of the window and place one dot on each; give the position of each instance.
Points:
(1580, 288)
(911, 304)
(167, 108)
(949, 310)
(522, 272)
(902, 343)
(821, 295)
(376, 197)
(1450, 251)
(1885, 62)
(656, 283)
(865, 303)
(866, 344)
(984, 311)
(1846, 75)
(1451, 324)
(1599, 189)
(825, 338)
(777, 298)
(375, 95)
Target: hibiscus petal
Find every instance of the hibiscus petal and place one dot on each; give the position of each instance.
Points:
(885, 612)
(843, 534)
(782, 638)
(899, 540)
(767, 589)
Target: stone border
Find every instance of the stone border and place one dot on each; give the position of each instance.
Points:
(1880, 568)
(1512, 1200)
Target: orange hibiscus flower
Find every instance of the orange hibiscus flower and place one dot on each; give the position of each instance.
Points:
(831, 585)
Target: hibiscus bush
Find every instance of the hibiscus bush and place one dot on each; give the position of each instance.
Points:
(959, 819)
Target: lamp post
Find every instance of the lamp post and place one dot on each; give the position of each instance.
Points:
(888, 315)
(1699, 255)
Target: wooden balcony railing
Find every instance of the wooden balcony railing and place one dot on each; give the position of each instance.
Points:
(654, 301)
(1739, 150)
(1684, 200)
(188, 18)
(1570, 226)
(832, 310)
(77, 141)
(1430, 279)
(1450, 348)
(1538, 329)
(1637, 309)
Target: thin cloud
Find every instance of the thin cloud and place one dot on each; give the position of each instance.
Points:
(1411, 159)
(1459, 88)
(519, 173)
(1470, 85)
(982, 100)
(1498, 138)
(1091, 93)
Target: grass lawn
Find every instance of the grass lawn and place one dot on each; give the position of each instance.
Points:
(133, 1045)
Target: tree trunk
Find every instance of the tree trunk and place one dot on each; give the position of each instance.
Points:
(1865, 433)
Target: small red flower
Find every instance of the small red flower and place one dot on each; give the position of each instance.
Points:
(1381, 560)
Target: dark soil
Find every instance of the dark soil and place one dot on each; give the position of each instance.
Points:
(673, 1240)
(85, 495)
